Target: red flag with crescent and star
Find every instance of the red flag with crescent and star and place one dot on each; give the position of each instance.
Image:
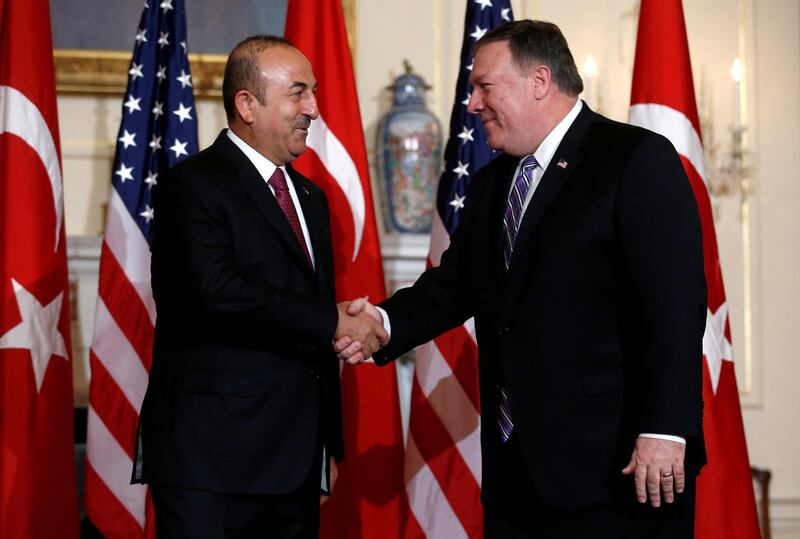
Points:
(367, 499)
(38, 496)
(662, 99)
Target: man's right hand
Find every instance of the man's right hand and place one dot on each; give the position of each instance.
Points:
(360, 331)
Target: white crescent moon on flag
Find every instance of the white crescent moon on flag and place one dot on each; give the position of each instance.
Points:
(19, 116)
(676, 127)
(340, 165)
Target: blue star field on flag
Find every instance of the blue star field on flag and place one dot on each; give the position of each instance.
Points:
(159, 119)
(467, 148)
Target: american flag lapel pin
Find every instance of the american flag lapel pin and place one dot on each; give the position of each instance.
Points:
(562, 164)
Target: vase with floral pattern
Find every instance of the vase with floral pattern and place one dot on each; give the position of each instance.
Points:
(409, 157)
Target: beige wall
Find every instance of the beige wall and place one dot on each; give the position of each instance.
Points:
(760, 255)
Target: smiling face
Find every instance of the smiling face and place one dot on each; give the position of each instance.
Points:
(505, 100)
(277, 123)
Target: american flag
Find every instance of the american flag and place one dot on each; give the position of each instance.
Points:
(443, 459)
(158, 129)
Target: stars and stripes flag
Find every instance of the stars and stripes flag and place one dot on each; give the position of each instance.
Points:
(662, 99)
(158, 129)
(368, 498)
(443, 453)
(38, 497)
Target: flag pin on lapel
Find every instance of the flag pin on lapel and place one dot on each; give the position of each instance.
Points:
(562, 164)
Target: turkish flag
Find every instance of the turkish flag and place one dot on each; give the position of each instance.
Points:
(662, 99)
(38, 496)
(367, 498)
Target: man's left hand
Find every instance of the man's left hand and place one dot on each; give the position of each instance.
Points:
(657, 466)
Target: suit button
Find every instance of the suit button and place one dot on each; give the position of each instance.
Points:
(314, 373)
(504, 331)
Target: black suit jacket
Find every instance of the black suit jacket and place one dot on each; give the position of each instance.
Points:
(244, 387)
(596, 329)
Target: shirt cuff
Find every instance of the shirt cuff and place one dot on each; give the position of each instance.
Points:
(386, 324)
(678, 439)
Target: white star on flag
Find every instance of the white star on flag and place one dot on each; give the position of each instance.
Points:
(461, 170)
(469, 67)
(136, 70)
(38, 331)
(162, 73)
(179, 148)
(128, 139)
(466, 135)
(151, 178)
(185, 79)
(183, 45)
(504, 14)
(155, 143)
(162, 39)
(124, 173)
(147, 213)
(457, 202)
(484, 3)
(183, 112)
(478, 33)
(132, 104)
(158, 109)
(466, 99)
(716, 346)
(166, 5)
(141, 36)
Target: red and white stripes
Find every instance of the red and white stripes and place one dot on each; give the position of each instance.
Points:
(443, 452)
(120, 359)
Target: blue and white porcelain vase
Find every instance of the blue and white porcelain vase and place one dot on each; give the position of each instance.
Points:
(409, 157)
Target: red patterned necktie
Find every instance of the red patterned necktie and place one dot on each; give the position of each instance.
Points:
(278, 183)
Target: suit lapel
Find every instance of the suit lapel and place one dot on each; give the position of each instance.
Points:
(565, 160)
(256, 187)
(504, 167)
(318, 226)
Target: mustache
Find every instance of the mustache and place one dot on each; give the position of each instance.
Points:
(303, 122)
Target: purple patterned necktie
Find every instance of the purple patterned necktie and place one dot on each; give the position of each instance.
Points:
(284, 198)
(512, 216)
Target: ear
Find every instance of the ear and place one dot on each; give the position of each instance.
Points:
(541, 81)
(244, 102)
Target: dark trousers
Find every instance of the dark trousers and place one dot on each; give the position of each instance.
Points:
(195, 514)
(513, 511)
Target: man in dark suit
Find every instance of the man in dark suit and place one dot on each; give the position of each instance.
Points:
(580, 256)
(242, 417)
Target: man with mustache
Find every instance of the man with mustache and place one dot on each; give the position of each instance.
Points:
(241, 423)
(580, 256)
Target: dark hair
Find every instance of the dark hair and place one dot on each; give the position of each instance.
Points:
(242, 71)
(538, 42)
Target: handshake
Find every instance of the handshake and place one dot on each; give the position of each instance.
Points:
(360, 332)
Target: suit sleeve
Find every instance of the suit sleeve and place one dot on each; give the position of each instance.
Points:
(437, 301)
(190, 227)
(661, 244)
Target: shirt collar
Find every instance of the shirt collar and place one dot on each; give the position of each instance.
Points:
(264, 166)
(544, 153)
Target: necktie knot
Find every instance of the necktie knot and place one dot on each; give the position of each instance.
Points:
(529, 163)
(278, 181)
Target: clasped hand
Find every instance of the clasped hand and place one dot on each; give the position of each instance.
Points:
(360, 331)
